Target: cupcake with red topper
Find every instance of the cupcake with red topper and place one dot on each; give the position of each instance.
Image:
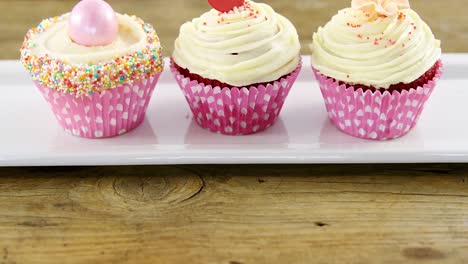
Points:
(96, 68)
(377, 64)
(235, 65)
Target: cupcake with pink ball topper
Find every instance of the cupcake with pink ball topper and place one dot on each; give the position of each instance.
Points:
(236, 65)
(377, 63)
(96, 68)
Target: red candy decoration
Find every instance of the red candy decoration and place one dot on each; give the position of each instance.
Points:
(225, 5)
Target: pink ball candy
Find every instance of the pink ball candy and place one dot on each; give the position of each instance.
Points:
(93, 23)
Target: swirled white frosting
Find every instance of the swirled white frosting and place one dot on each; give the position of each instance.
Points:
(375, 50)
(381, 7)
(250, 44)
(56, 43)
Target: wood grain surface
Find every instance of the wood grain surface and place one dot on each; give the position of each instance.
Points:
(447, 18)
(235, 214)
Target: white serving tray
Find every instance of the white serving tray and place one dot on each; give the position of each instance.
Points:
(30, 135)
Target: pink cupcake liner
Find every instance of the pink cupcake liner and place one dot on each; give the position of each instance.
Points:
(101, 115)
(373, 114)
(235, 111)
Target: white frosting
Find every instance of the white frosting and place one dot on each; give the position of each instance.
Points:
(380, 7)
(56, 43)
(375, 51)
(251, 44)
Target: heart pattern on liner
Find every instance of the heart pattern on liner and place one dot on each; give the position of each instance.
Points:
(374, 115)
(111, 113)
(235, 111)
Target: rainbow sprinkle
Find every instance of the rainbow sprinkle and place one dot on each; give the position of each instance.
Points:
(92, 78)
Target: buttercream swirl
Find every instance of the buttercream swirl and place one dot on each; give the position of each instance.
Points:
(250, 44)
(375, 51)
(380, 7)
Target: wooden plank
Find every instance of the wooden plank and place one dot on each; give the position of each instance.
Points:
(447, 18)
(235, 214)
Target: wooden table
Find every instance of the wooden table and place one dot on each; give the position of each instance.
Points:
(447, 18)
(233, 214)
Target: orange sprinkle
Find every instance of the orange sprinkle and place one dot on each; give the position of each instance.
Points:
(353, 25)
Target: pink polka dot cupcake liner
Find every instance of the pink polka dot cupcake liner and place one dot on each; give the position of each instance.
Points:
(235, 111)
(107, 114)
(373, 114)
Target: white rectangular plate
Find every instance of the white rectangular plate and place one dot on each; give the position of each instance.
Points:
(30, 135)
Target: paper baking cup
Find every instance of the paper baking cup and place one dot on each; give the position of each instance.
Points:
(373, 114)
(101, 115)
(235, 111)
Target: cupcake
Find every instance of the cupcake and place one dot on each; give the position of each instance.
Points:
(96, 68)
(235, 65)
(377, 63)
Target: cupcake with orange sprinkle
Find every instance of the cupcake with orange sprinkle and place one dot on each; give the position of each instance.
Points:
(377, 63)
(96, 68)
